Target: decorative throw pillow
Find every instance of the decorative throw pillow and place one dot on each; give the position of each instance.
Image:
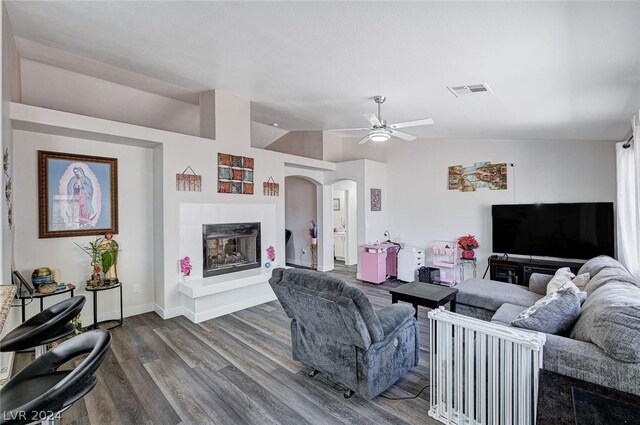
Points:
(552, 314)
(582, 295)
(561, 277)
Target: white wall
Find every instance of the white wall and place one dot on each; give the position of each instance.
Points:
(421, 209)
(300, 208)
(135, 263)
(263, 135)
(301, 143)
(9, 92)
(56, 88)
(331, 147)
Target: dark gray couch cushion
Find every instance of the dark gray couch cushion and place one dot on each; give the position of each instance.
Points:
(611, 319)
(507, 313)
(553, 314)
(490, 294)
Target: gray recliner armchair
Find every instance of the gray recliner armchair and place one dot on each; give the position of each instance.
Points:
(335, 330)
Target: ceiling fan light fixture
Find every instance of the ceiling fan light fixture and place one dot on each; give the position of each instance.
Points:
(379, 135)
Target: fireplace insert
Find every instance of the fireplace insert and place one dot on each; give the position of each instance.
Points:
(230, 247)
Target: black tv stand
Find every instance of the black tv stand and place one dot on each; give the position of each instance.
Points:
(517, 270)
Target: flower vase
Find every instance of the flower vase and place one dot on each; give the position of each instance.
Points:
(468, 254)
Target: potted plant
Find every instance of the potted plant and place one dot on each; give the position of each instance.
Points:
(94, 250)
(313, 233)
(468, 244)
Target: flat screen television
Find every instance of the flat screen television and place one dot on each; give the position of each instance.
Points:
(577, 230)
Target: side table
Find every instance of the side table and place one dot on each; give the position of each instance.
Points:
(24, 296)
(95, 291)
(464, 262)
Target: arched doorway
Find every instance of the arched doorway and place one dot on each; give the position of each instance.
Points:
(302, 207)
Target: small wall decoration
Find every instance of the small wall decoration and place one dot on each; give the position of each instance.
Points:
(235, 174)
(478, 175)
(336, 204)
(5, 161)
(270, 188)
(188, 182)
(78, 195)
(8, 190)
(376, 199)
(8, 187)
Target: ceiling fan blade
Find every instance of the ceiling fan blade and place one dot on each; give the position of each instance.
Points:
(404, 136)
(350, 129)
(414, 123)
(364, 140)
(372, 118)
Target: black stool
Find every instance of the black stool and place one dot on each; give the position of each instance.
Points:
(40, 392)
(47, 326)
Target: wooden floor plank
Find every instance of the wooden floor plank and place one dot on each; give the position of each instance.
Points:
(123, 392)
(186, 396)
(151, 398)
(190, 349)
(268, 401)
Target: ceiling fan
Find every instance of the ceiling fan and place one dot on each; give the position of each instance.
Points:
(381, 131)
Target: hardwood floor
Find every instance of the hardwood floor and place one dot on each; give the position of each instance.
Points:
(235, 369)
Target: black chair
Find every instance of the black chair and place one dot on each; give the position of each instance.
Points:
(40, 391)
(47, 326)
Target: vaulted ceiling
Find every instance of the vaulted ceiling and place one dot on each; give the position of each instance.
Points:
(558, 70)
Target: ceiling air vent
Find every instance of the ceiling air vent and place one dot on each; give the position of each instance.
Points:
(470, 89)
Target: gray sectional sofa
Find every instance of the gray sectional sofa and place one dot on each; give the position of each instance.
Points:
(603, 346)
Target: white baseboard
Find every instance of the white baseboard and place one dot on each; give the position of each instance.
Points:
(170, 313)
(325, 268)
(227, 309)
(140, 309)
(115, 314)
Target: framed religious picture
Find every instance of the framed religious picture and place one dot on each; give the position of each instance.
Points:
(77, 195)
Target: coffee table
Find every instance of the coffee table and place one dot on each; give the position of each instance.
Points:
(424, 294)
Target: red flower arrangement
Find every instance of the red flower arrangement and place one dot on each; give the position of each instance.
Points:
(468, 243)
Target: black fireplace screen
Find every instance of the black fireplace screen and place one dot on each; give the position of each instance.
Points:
(230, 247)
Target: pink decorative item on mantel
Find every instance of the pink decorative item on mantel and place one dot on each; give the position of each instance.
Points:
(271, 253)
(185, 266)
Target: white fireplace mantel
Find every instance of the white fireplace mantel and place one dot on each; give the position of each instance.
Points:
(204, 298)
